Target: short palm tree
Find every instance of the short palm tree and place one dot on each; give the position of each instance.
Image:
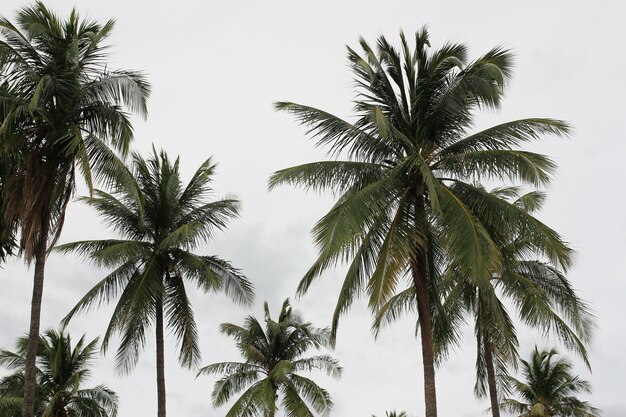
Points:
(549, 389)
(61, 372)
(541, 294)
(61, 107)
(273, 363)
(161, 221)
(399, 168)
(395, 414)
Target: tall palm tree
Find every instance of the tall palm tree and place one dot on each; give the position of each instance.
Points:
(273, 361)
(404, 161)
(541, 294)
(61, 372)
(549, 389)
(161, 222)
(60, 110)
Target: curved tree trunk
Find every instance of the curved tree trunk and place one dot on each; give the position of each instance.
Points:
(28, 407)
(491, 376)
(160, 360)
(419, 269)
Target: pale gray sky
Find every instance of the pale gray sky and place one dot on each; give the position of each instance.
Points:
(216, 67)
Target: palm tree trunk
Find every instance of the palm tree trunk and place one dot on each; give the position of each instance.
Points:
(160, 360)
(419, 269)
(426, 335)
(28, 407)
(491, 376)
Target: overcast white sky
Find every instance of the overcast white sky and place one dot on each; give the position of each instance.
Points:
(217, 66)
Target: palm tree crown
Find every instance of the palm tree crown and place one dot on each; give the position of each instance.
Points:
(549, 389)
(60, 106)
(273, 362)
(406, 170)
(395, 414)
(161, 222)
(62, 370)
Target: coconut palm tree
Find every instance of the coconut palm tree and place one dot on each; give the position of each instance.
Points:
(541, 294)
(161, 221)
(549, 389)
(395, 414)
(61, 107)
(273, 363)
(61, 371)
(399, 167)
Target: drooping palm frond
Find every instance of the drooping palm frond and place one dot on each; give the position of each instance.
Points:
(8, 230)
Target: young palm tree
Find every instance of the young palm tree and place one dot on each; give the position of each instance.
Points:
(549, 389)
(273, 361)
(404, 161)
(543, 298)
(60, 109)
(61, 372)
(395, 414)
(161, 222)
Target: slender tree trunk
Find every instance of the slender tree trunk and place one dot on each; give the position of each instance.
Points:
(419, 269)
(426, 335)
(160, 360)
(491, 376)
(28, 407)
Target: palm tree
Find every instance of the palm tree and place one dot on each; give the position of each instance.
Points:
(549, 389)
(60, 110)
(541, 294)
(404, 162)
(395, 414)
(161, 223)
(273, 361)
(61, 372)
